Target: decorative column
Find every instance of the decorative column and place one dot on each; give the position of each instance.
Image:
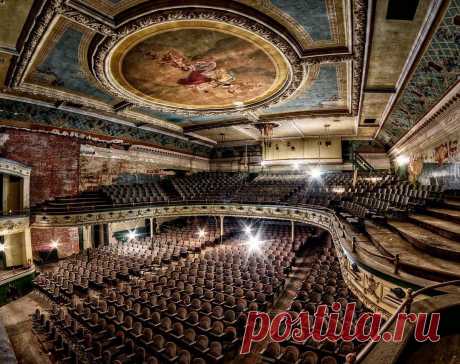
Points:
(221, 218)
(157, 226)
(28, 246)
(112, 240)
(5, 182)
(25, 186)
(292, 231)
(101, 235)
(151, 227)
(87, 237)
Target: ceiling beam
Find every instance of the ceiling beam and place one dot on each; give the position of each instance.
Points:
(246, 132)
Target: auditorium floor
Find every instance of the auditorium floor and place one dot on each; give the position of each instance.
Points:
(16, 318)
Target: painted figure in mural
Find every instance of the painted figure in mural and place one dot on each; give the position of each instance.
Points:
(204, 72)
(446, 152)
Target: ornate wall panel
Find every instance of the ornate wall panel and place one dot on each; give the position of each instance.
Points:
(436, 73)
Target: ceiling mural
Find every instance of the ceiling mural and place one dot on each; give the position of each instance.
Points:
(437, 71)
(200, 65)
(327, 90)
(204, 62)
(62, 65)
(184, 120)
(175, 65)
(314, 23)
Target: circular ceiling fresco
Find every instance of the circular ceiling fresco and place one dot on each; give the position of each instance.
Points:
(197, 65)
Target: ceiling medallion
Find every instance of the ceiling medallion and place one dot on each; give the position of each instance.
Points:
(192, 61)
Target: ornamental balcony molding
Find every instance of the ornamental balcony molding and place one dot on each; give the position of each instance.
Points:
(13, 224)
(8, 166)
(371, 282)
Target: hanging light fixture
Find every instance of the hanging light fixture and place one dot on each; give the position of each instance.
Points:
(266, 130)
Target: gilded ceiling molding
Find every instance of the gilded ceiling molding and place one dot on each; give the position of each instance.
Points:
(359, 44)
(83, 19)
(327, 58)
(296, 73)
(42, 22)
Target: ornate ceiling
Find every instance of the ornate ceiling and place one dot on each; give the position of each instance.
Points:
(192, 71)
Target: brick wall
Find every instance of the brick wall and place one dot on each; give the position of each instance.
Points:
(67, 239)
(54, 160)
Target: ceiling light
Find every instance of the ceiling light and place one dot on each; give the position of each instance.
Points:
(54, 244)
(254, 243)
(247, 229)
(402, 160)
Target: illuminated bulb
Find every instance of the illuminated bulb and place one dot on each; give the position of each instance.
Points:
(131, 235)
(402, 160)
(295, 166)
(201, 233)
(263, 163)
(54, 244)
(247, 229)
(315, 173)
(254, 243)
(2, 247)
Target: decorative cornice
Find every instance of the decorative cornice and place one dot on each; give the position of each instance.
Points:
(102, 50)
(42, 22)
(83, 19)
(445, 112)
(13, 167)
(359, 44)
(327, 58)
(415, 53)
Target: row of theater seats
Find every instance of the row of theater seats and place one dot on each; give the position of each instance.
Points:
(119, 260)
(135, 193)
(398, 197)
(323, 285)
(269, 188)
(369, 194)
(208, 186)
(192, 308)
